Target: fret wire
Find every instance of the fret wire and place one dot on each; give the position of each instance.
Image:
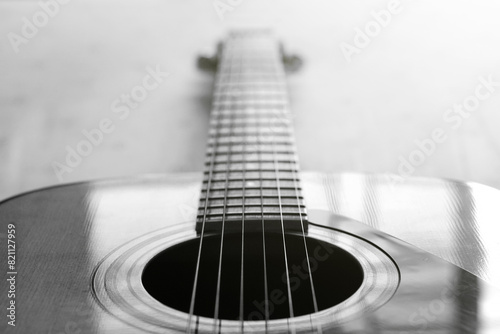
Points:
(250, 127)
(251, 168)
(252, 192)
(236, 164)
(254, 205)
(252, 102)
(255, 218)
(244, 115)
(270, 183)
(252, 156)
(253, 150)
(256, 122)
(251, 179)
(266, 170)
(243, 136)
(239, 142)
(237, 173)
(229, 141)
(224, 131)
(289, 209)
(217, 299)
(250, 189)
(254, 201)
(278, 85)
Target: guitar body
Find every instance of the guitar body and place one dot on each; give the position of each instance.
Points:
(252, 245)
(436, 233)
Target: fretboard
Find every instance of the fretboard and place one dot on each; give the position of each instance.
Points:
(251, 168)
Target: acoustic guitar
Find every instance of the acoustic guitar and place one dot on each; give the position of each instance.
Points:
(253, 245)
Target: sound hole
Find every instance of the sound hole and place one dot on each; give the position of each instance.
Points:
(169, 276)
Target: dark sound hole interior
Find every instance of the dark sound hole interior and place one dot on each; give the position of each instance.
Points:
(169, 276)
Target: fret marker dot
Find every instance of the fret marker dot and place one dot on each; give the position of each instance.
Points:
(250, 184)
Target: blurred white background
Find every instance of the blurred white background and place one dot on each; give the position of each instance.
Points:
(362, 115)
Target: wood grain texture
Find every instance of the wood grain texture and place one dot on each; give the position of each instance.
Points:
(359, 116)
(64, 232)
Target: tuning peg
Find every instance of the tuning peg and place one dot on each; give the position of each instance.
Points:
(291, 61)
(208, 60)
(207, 63)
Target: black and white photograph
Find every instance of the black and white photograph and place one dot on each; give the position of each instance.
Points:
(250, 166)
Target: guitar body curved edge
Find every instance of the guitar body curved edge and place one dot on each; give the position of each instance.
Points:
(63, 233)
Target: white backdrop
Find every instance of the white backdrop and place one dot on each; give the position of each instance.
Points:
(357, 110)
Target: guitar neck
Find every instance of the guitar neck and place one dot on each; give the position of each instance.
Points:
(251, 168)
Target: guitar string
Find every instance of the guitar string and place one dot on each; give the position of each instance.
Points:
(243, 158)
(215, 145)
(289, 291)
(232, 75)
(278, 187)
(313, 291)
(263, 227)
(285, 118)
(295, 178)
(259, 144)
(266, 290)
(204, 220)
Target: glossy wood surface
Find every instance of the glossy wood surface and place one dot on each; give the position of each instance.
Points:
(64, 232)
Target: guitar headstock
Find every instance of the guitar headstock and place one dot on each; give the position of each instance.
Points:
(209, 60)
